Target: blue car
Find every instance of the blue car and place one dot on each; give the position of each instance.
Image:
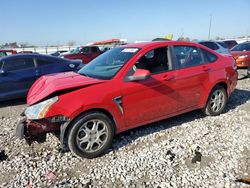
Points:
(19, 72)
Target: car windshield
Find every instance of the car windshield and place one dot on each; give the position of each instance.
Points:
(108, 64)
(241, 47)
(75, 51)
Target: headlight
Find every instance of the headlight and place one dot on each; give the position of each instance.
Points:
(242, 56)
(39, 111)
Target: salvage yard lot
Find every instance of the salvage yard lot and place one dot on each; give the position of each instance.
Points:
(190, 150)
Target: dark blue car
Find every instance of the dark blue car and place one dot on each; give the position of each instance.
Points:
(19, 72)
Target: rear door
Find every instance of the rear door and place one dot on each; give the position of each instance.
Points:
(19, 76)
(192, 75)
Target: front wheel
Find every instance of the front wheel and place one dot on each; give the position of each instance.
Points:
(216, 101)
(90, 135)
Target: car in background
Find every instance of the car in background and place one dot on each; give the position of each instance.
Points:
(241, 54)
(4, 53)
(85, 53)
(124, 88)
(216, 46)
(19, 72)
(58, 53)
(230, 43)
(26, 52)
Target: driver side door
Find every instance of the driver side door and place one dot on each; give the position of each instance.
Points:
(152, 99)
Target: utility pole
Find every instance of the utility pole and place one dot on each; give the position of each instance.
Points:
(210, 23)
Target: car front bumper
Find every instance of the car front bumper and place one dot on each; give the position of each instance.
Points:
(31, 130)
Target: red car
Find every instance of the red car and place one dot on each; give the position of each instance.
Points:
(4, 53)
(124, 88)
(241, 54)
(85, 53)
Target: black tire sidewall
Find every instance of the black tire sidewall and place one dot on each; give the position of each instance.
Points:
(208, 110)
(71, 139)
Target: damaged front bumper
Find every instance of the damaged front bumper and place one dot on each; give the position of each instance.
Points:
(35, 130)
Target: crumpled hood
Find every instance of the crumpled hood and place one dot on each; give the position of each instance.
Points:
(46, 85)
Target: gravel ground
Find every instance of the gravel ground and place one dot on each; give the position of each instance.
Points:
(190, 150)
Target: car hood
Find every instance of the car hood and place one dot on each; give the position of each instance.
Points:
(236, 54)
(49, 84)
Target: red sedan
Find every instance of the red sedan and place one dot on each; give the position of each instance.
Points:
(124, 88)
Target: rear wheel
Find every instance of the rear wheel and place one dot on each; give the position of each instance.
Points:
(216, 101)
(90, 135)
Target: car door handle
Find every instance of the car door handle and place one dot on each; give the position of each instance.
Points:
(168, 77)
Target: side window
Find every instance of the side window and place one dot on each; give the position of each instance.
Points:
(188, 56)
(1, 64)
(94, 49)
(44, 62)
(18, 64)
(209, 56)
(2, 54)
(155, 61)
(85, 50)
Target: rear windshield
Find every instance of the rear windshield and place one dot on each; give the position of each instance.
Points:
(210, 45)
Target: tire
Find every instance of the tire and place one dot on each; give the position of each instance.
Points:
(216, 102)
(90, 135)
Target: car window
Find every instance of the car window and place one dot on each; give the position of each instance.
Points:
(210, 45)
(241, 47)
(18, 64)
(209, 56)
(94, 49)
(1, 64)
(223, 44)
(155, 61)
(43, 62)
(85, 50)
(2, 54)
(107, 65)
(188, 56)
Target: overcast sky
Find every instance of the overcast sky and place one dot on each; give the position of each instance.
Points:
(60, 21)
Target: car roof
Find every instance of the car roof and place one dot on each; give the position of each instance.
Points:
(29, 55)
(156, 43)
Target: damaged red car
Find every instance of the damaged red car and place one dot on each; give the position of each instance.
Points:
(124, 88)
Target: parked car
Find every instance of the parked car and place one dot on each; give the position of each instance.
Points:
(18, 72)
(124, 88)
(216, 46)
(4, 53)
(85, 53)
(58, 53)
(230, 43)
(241, 54)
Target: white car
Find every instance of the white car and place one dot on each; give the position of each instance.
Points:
(219, 47)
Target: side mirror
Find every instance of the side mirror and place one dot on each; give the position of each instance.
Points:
(2, 72)
(139, 74)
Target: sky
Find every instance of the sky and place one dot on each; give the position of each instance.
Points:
(57, 22)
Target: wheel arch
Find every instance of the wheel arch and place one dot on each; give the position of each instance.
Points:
(65, 127)
(221, 83)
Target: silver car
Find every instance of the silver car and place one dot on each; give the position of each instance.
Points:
(219, 47)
